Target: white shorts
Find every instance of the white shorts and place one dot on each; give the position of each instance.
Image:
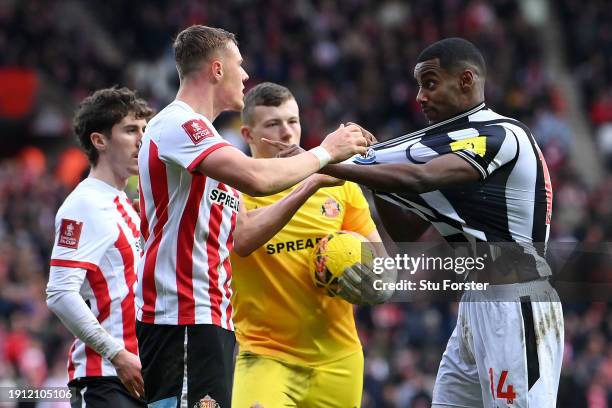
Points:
(504, 353)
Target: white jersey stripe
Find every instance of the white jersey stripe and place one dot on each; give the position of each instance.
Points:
(224, 275)
(520, 221)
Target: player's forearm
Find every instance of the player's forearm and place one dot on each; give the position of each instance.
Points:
(384, 177)
(274, 175)
(401, 225)
(72, 310)
(263, 223)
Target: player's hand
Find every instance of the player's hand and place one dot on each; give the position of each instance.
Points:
(349, 285)
(128, 370)
(284, 149)
(356, 286)
(366, 133)
(322, 180)
(345, 142)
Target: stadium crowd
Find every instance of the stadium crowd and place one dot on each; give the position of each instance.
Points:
(589, 40)
(349, 60)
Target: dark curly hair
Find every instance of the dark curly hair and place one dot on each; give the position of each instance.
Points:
(103, 109)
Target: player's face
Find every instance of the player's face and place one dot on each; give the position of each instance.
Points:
(234, 76)
(439, 91)
(124, 144)
(280, 123)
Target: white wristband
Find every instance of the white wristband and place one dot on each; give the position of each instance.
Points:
(321, 154)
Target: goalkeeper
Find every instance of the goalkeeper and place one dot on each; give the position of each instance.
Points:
(298, 347)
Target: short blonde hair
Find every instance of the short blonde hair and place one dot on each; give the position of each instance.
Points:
(195, 44)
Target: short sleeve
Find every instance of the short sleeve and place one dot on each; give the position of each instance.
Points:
(493, 147)
(357, 217)
(187, 140)
(83, 234)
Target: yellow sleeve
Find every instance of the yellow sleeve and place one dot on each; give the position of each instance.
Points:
(357, 217)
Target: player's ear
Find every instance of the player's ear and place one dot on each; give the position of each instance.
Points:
(216, 70)
(245, 131)
(98, 140)
(467, 80)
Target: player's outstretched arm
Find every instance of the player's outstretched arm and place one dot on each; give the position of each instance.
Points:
(444, 171)
(256, 227)
(258, 177)
(74, 313)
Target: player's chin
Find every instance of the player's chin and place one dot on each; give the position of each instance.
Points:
(431, 115)
(132, 170)
(238, 104)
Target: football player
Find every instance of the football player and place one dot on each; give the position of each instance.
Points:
(298, 346)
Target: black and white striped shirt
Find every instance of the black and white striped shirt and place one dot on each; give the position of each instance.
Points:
(512, 201)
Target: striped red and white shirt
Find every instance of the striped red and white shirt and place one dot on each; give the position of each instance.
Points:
(95, 253)
(187, 223)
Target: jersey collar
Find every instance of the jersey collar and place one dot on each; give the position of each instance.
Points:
(102, 185)
(182, 104)
(443, 123)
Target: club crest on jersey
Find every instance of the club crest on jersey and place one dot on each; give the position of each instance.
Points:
(221, 197)
(207, 402)
(197, 130)
(369, 158)
(70, 233)
(330, 208)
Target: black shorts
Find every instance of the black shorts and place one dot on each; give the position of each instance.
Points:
(101, 392)
(206, 350)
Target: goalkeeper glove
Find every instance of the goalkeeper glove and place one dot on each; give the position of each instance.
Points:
(356, 285)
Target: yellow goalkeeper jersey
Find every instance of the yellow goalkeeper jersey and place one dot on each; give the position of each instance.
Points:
(278, 311)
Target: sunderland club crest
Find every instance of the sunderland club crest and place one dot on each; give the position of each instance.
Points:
(330, 208)
(207, 402)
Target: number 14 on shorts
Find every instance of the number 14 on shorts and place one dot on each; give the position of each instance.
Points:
(509, 393)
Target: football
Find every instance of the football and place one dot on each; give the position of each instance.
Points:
(333, 254)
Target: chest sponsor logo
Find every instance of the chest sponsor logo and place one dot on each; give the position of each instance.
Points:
(70, 233)
(290, 246)
(330, 208)
(197, 130)
(224, 198)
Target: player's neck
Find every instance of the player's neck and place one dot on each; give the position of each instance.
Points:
(475, 98)
(199, 98)
(104, 172)
(469, 104)
(256, 155)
